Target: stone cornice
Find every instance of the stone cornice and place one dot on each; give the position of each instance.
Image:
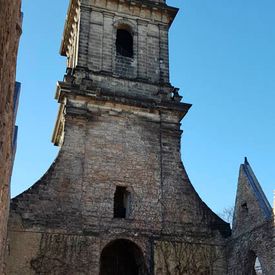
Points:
(66, 90)
(70, 19)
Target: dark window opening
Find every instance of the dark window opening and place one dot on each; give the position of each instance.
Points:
(124, 43)
(121, 202)
(244, 207)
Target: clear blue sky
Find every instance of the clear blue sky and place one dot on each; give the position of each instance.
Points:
(222, 56)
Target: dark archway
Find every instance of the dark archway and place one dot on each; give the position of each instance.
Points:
(122, 257)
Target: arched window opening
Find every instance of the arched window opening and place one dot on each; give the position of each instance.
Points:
(124, 43)
(258, 267)
(122, 257)
(253, 265)
(244, 207)
(121, 202)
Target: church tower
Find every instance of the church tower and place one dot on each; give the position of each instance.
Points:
(117, 200)
(118, 50)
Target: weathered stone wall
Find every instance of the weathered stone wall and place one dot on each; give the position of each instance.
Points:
(249, 213)
(253, 227)
(103, 148)
(10, 30)
(108, 145)
(187, 256)
(257, 242)
(119, 126)
(61, 253)
(115, 130)
(99, 153)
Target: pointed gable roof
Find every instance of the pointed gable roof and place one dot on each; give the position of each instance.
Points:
(257, 190)
(252, 207)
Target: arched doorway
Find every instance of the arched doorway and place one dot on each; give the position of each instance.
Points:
(122, 257)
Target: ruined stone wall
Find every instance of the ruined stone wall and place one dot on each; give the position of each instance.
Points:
(61, 253)
(107, 149)
(108, 145)
(10, 30)
(249, 209)
(183, 256)
(105, 145)
(253, 227)
(118, 126)
(243, 249)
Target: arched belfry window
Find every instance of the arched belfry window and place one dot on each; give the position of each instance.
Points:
(124, 42)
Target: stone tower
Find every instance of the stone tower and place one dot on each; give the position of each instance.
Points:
(117, 200)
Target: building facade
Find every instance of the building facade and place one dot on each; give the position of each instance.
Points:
(117, 199)
(10, 31)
